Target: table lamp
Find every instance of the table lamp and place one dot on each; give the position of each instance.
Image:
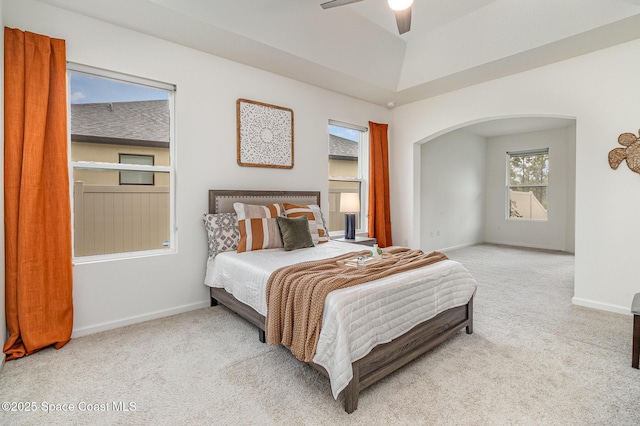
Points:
(350, 205)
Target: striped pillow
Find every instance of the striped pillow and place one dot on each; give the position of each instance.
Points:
(258, 227)
(317, 227)
(250, 211)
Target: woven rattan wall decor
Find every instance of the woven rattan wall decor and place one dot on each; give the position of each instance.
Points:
(631, 152)
(265, 135)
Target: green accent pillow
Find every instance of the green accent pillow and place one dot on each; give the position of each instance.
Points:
(295, 232)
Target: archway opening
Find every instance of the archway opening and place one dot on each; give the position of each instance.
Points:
(462, 181)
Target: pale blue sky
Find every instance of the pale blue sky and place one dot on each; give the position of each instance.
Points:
(86, 89)
(343, 132)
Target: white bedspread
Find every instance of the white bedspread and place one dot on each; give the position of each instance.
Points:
(355, 319)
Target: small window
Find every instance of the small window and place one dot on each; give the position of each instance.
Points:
(121, 164)
(348, 172)
(527, 182)
(136, 178)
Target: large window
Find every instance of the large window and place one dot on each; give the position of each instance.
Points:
(121, 164)
(348, 172)
(527, 181)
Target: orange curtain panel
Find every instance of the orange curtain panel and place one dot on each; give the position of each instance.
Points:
(379, 204)
(37, 217)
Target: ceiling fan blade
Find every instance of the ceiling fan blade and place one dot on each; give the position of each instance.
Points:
(336, 3)
(403, 19)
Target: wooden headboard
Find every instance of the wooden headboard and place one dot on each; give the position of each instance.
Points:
(221, 200)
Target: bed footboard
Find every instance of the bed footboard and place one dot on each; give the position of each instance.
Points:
(386, 358)
(383, 359)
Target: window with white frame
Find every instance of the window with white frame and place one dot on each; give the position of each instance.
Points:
(348, 172)
(128, 177)
(527, 184)
(122, 164)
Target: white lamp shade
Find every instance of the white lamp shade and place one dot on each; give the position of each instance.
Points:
(349, 202)
(400, 4)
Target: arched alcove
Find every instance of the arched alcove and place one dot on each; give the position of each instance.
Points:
(461, 183)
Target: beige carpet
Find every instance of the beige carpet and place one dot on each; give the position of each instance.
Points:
(533, 359)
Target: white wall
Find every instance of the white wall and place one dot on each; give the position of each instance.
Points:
(111, 294)
(570, 228)
(550, 234)
(600, 90)
(452, 200)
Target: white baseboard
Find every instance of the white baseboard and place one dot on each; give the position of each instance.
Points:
(533, 246)
(459, 246)
(601, 306)
(110, 325)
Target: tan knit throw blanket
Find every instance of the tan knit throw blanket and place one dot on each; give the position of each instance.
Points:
(296, 293)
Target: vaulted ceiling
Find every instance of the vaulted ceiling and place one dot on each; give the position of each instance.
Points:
(356, 49)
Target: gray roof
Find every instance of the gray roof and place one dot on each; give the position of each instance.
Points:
(341, 148)
(139, 122)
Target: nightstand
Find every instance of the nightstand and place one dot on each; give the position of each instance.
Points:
(365, 241)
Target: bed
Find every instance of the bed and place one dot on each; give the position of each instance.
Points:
(350, 367)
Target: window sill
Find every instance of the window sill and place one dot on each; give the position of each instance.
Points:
(100, 258)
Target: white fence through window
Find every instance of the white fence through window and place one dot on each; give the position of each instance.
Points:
(117, 219)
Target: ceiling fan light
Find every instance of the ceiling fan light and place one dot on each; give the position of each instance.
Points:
(400, 4)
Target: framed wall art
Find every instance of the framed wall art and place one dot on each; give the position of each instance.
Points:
(265, 135)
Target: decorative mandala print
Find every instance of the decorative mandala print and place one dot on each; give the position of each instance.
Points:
(265, 135)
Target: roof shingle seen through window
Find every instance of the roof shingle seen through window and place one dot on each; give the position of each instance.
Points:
(138, 120)
(343, 148)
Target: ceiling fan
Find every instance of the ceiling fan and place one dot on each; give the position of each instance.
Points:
(402, 9)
